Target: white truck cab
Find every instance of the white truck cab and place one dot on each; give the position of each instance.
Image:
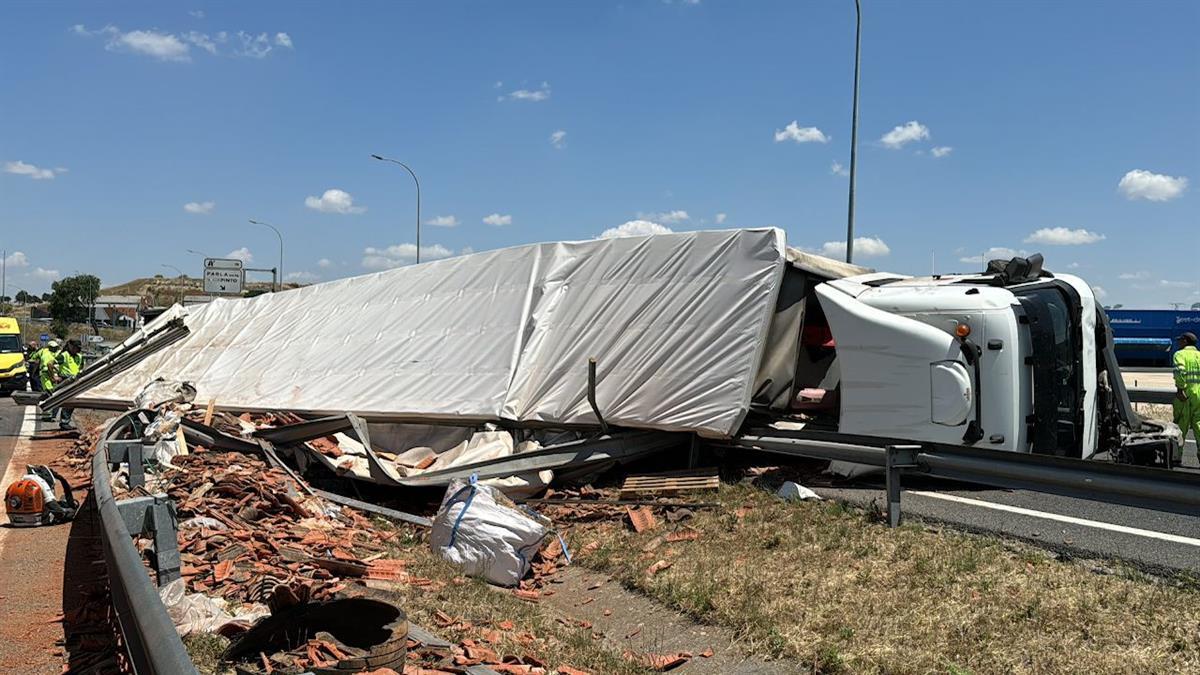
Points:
(1014, 359)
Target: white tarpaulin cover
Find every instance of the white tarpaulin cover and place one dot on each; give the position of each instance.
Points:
(676, 322)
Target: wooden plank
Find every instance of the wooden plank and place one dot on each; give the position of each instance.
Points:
(208, 413)
(672, 482)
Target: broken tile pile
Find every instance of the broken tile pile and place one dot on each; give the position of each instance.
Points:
(245, 528)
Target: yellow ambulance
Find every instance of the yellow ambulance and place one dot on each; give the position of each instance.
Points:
(12, 357)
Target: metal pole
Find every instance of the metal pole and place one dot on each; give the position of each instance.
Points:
(277, 234)
(3, 273)
(414, 177)
(853, 135)
(181, 274)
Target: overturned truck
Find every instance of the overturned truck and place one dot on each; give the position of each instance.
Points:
(515, 362)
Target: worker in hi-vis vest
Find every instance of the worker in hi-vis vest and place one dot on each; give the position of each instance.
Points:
(48, 365)
(69, 362)
(1187, 388)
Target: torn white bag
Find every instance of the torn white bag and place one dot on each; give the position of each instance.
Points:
(481, 531)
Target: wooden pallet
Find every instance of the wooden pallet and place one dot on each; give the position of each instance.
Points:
(672, 482)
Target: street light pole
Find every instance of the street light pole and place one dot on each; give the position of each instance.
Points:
(414, 177)
(180, 274)
(853, 134)
(277, 234)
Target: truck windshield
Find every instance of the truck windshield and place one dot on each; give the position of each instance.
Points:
(1057, 371)
(10, 343)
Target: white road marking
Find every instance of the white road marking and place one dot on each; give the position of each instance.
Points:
(20, 450)
(1150, 534)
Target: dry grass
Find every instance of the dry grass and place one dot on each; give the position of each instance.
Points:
(1156, 411)
(483, 607)
(831, 587)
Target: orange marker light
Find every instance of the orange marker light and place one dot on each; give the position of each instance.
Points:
(962, 330)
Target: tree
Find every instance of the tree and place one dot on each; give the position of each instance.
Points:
(73, 297)
(46, 297)
(25, 297)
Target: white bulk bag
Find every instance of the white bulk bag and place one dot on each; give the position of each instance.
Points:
(481, 531)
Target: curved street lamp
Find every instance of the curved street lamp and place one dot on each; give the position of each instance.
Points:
(277, 234)
(414, 177)
(853, 134)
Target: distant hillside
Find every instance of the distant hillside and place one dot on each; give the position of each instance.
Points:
(161, 291)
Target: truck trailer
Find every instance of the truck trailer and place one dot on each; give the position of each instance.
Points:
(714, 335)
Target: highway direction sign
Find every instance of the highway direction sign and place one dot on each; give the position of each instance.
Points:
(223, 276)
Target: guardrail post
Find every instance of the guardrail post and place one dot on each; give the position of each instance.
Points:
(155, 516)
(896, 459)
(132, 453)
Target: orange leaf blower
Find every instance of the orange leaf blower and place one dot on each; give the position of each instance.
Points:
(32, 500)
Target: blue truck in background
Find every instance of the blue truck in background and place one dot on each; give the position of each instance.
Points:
(1146, 337)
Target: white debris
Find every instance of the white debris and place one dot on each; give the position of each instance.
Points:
(791, 491)
(480, 530)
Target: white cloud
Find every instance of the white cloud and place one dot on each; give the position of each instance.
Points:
(497, 220)
(1100, 293)
(166, 46)
(669, 217)
(333, 201)
(994, 253)
(838, 170)
(196, 13)
(37, 173)
(942, 151)
(1134, 276)
(865, 247)
(398, 255)
(1176, 284)
(558, 139)
(443, 221)
(254, 46)
(201, 40)
(242, 254)
(16, 259)
(720, 218)
(324, 263)
(45, 274)
(904, 134)
(1073, 266)
(634, 228)
(466, 250)
(1062, 236)
(534, 95)
(200, 208)
(302, 277)
(794, 132)
(162, 46)
(1155, 187)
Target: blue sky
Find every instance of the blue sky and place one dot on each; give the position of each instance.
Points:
(1069, 128)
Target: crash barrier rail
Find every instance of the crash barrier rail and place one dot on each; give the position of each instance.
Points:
(150, 638)
(1141, 487)
(1151, 395)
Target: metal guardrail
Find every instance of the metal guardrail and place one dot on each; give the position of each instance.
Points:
(1151, 395)
(1141, 487)
(151, 641)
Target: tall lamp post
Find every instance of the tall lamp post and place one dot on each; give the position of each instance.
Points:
(180, 274)
(414, 177)
(277, 234)
(853, 134)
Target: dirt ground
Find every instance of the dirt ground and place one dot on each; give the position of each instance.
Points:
(32, 574)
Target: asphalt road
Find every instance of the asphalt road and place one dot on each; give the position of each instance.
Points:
(1150, 540)
(10, 426)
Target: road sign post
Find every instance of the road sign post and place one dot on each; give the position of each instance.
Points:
(224, 276)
